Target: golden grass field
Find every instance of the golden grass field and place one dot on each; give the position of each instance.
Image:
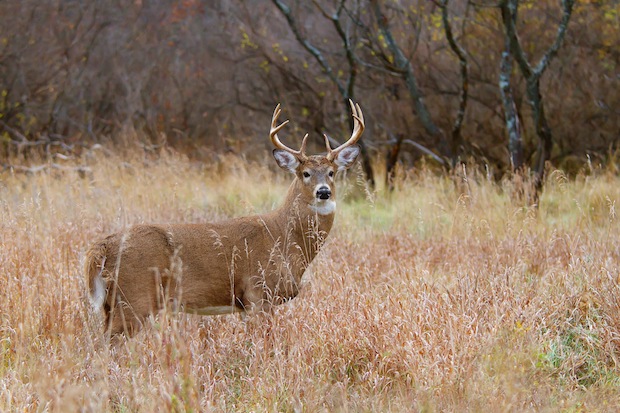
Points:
(437, 297)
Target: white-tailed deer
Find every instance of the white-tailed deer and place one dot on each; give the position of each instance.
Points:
(242, 264)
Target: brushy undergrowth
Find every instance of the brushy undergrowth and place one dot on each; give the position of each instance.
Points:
(448, 294)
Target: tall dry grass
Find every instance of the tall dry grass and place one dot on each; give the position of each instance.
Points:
(437, 297)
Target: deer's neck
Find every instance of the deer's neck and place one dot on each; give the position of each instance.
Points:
(307, 221)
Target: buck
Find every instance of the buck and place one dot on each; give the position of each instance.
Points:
(243, 264)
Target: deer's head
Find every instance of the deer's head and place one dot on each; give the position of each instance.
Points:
(316, 173)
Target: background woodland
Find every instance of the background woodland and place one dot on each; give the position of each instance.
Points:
(442, 80)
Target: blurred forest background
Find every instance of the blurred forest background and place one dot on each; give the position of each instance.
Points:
(507, 83)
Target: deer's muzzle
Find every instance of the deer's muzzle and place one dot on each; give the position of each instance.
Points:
(323, 192)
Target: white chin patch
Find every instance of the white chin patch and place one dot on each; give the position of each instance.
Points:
(326, 207)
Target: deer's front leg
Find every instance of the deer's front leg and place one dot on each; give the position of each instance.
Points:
(256, 298)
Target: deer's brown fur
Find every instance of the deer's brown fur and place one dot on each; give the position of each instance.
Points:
(245, 263)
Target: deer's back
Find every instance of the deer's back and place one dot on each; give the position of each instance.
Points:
(198, 262)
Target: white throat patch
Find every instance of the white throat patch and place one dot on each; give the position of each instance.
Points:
(326, 207)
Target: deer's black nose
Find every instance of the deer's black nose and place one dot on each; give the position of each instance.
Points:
(323, 192)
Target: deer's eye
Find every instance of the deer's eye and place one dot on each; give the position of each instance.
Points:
(331, 174)
(306, 174)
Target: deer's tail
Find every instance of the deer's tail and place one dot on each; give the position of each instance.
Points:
(93, 271)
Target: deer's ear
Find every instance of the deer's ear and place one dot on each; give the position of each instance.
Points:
(286, 160)
(346, 157)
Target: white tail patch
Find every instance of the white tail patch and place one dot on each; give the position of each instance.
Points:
(98, 293)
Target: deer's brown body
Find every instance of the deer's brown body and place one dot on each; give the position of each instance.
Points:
(246, 263)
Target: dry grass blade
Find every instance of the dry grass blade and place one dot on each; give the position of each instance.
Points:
(427, 300)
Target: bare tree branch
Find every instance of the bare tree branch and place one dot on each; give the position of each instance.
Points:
(567, 9)
(426, 151)
(403, 64)
(286, 11)
(31, 170)
(464, 69)
(532, 75)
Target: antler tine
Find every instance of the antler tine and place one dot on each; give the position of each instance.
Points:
(273, 134)
(327, 145)
(302, 150)
(358, 129)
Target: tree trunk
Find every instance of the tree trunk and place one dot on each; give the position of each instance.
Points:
(391, 161)
(545, 143)
(515, 141)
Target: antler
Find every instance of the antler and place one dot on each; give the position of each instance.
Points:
(273, 134)
(355, 136)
